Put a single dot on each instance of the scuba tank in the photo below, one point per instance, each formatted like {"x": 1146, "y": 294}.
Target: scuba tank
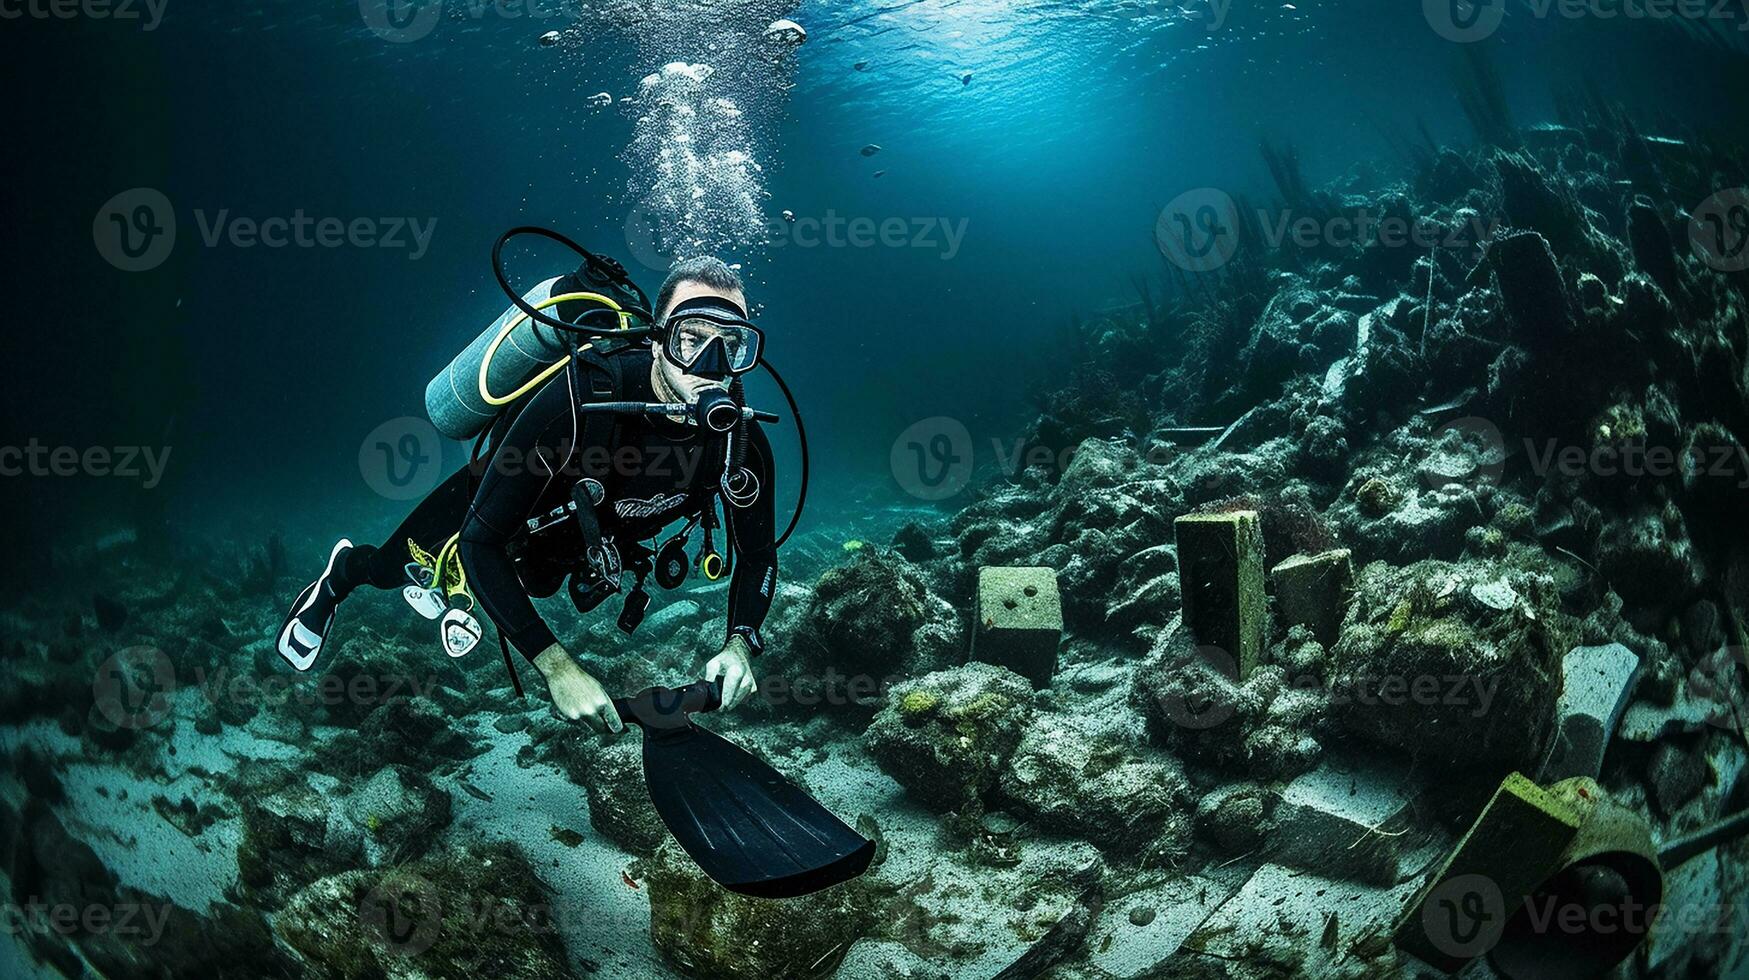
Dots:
{"x": 463, "y": 399}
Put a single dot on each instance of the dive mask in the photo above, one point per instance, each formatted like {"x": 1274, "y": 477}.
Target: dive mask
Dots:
{"x": 708, "y": 337}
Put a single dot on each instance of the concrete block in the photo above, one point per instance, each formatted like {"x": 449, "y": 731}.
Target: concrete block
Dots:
{"x": 1344, "y": 819}
{"x": 1020, "y": 621}
{"x": 1517, "y": 842}
{"x": 1220, "y": 571}
{"x": 1596, "y": 683}
{"x": 1314, "y": 591}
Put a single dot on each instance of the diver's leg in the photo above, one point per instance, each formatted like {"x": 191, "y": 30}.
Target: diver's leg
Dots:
{"x": 434, "y": 521}
{"x": 437, "y": 519}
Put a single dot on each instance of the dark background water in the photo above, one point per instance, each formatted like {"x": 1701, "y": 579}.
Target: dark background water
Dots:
{"x": 264, "y": 369}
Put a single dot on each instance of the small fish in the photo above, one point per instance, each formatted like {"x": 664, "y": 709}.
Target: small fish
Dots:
{"x": 861, "y": 66}
{"x": 880, "y": 173}
{"x": 474, "y": 791}
{"x": 871, "y": 149}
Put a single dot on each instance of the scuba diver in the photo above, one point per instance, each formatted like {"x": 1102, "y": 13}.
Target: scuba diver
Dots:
{"x": 613, "y": 433}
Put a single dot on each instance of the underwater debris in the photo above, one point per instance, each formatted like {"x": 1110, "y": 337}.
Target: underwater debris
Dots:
{"x": 1220, "y": 562}
{"x": 705, "y": 930}
{"x": 947, "y": 736}
{"x": 1488, "y": 677}
{"x": 1081, "y": 784}
{"x": 1019, "y": 622}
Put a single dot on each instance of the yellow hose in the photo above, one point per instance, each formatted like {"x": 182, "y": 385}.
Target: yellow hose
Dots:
{"x": 625, "y": 322}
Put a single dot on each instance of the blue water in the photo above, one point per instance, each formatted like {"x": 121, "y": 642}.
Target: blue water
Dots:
{"x": 264, "y": 368}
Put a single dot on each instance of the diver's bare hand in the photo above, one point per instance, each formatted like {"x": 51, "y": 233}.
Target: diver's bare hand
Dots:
{"x": 576, "y": 694}
{"x": 735, "y": 667}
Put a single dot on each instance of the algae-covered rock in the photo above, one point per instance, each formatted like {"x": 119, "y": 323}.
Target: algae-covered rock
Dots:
{"x": 612, "y": 775}
{"x": 1195, "y": 705}
{"x": 460, "y": 914}
{"x": 413, "y": 731}
{"x": 394, "y": 816}
{"x": 1648, "y": 558}
{"x": 707, "y": 931}
{"x": 1079, "y": 784}
{"x": 1236, "y": 817}
{"x": 1456, "y": 663}
{"x": 876, "y": 618}
{"x": 945, "y": 736}
{"x": 135, "y": 934}
{"x": 285, "y": 841}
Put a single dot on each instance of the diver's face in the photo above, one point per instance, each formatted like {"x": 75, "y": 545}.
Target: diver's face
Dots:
{"x": 688, "y": 386}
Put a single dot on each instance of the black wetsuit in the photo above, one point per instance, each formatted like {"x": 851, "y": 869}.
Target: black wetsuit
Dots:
{"x": 653, "y": 473}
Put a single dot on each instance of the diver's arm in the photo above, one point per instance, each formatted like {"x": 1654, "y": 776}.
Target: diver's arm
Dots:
{"x": 515, "y": 478}
{"x": 522, "y": 467}
{"x": 752, "y": 533}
